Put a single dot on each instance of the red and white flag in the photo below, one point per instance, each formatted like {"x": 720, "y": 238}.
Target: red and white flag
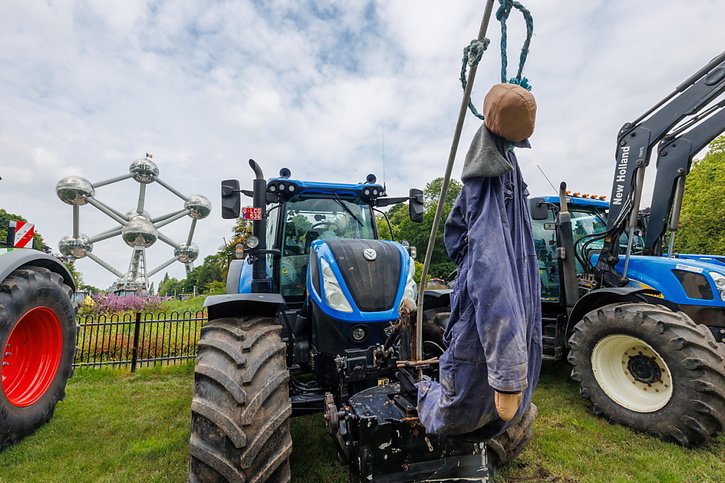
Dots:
{"x": 24, "y": 234}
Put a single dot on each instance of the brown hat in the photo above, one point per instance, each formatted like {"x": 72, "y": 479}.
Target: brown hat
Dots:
{"x": 509, "y": 110}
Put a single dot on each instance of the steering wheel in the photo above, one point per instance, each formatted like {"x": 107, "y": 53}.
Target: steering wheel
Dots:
{"x": 325, "y": 225}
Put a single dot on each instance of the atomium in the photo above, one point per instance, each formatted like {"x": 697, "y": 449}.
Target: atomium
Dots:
{"x": 138, "y": 229}
{"x": 74, "y": 190}
{"x": 187, "y": 253}
{"x": 139, "y": 232}
{"x": 76, "y": 247}
{"x": 144, "y": 170}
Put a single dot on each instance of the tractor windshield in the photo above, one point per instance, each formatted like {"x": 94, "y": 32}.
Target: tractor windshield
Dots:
{"x": 307, "y": 220}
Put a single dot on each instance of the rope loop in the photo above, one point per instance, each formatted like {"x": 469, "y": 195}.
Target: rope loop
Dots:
{"x": 473, "y": 52}
{"x": 502, "y": 15}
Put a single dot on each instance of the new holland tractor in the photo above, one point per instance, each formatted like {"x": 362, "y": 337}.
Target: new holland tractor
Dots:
{"x": 317, "y": 319}
{"x": 643, "y": 326}
{"x": 37, "y": 338}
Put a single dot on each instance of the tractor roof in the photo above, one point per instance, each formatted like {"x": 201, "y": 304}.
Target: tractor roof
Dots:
{"x": 294, "y": 188}
{"x": 578, "y": 201}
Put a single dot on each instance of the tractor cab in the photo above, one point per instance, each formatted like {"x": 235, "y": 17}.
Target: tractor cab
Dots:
{"x": 299, "y": 213}
{"x": 588, "y": 218}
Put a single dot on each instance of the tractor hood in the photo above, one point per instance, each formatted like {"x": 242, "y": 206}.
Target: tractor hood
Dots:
{"x": 360, "y": 280}
{"x": 717, "y": 260}
{"x": 685, "y": 280}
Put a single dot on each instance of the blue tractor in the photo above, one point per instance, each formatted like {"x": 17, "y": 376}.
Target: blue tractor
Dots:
{"x": 643, "y": 326}
{"x": 317, "y": 318}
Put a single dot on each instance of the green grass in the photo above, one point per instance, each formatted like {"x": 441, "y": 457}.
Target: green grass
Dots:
{"x": 117, "y": 426}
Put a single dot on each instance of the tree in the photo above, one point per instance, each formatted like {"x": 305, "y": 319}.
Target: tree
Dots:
{"x": 703, "y": 205}
{"x": 169, "y": 286}
{"x": 418, "y": 234}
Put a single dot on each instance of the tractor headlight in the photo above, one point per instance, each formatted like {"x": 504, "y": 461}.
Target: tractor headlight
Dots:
{"x": 331, "y": 286}
{"x": 719, "y": 280}
{"x": 411, "y": 288}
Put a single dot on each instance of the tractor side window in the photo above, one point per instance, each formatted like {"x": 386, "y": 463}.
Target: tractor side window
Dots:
{"x": 587, "y": 222}
{"x": 544, "y": 232}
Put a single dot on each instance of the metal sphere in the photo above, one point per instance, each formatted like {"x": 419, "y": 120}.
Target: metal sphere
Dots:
{"x": 187, "y": 253}
{"x": 132, "y": 214}
{"x": 199, "y": 206}
{"x": 71, "y": 246}
{"x": 139, "y": 232}
{"x": 144, "y": 170}
{"x": 74, "y": 190}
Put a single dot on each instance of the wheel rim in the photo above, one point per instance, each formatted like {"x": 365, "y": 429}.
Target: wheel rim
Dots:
{"x": 31, "y": 356}
{"x": 632, "y": 373}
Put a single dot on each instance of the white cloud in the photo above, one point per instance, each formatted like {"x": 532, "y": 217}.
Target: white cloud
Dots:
{"x": 87, "y": 87}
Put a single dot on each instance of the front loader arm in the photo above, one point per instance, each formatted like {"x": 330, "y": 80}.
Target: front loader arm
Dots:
{"x": 673, "y": 164}
{"x": 634, "y": 146}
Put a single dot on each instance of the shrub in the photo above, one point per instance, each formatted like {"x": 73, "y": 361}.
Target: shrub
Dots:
{"x": 115, "y": 304}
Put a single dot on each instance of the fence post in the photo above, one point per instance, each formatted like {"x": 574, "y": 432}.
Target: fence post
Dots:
{"x": 134, "y": 350}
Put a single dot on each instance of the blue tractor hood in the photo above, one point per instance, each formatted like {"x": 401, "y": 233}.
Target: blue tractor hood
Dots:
{"x": 684, "y": 280}
{"x": 360, "y": 280}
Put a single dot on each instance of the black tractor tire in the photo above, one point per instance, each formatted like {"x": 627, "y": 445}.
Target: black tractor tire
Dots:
{"x": 240, "y": 411}
{"x": 505, "y": 447}
{"x": 651, "y": 369}
{"x": 38, "y": 342}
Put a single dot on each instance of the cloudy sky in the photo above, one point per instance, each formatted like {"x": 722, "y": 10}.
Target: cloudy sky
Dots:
{"x": 86, "y": 87}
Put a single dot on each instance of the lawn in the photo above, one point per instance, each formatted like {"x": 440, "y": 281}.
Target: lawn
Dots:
{"x": 118, "y": 426}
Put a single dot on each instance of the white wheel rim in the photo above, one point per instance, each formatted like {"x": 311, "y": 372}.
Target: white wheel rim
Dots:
{"x": 632, "y": 373}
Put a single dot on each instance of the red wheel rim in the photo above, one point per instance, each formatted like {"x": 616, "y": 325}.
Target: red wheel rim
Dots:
{"x": 31, "y": 356}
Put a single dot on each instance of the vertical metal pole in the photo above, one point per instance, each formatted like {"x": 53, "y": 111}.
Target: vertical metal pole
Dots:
{"x": 134, "y": 350}
{"x": 76, "y": 222}
{"x": 191, "y": 231}
{"x": 639, "y": 183}
{"x": 675, "y": 215}
{"x": 141, "y": 199}
{"x": 418, "y": 353}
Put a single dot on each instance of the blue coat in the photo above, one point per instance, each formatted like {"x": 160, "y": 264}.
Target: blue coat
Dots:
{"x": 494, "y": 332}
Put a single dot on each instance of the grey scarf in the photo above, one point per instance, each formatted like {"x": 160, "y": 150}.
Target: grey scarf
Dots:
{"x": 484, "y": 158}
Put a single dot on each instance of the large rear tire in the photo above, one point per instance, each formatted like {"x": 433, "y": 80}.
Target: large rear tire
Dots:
{"x": 240, "y": 411}
{"x": 652, "y": 369}
{"x": 38, "y": 340}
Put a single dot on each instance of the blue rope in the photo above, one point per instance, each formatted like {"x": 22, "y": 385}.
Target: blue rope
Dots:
{"x": 502, "y": 14}
{"x": 474, "y": 51}
{"x": 472, "y": 56}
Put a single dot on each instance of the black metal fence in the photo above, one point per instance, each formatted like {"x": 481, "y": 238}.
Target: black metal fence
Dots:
{"x": 137, "y": 340}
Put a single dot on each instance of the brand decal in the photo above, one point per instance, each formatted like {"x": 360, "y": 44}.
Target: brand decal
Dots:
{"x": 370, "y": 254}
{"x": 619, "y": 177}
{"x": 687, "y": 268}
